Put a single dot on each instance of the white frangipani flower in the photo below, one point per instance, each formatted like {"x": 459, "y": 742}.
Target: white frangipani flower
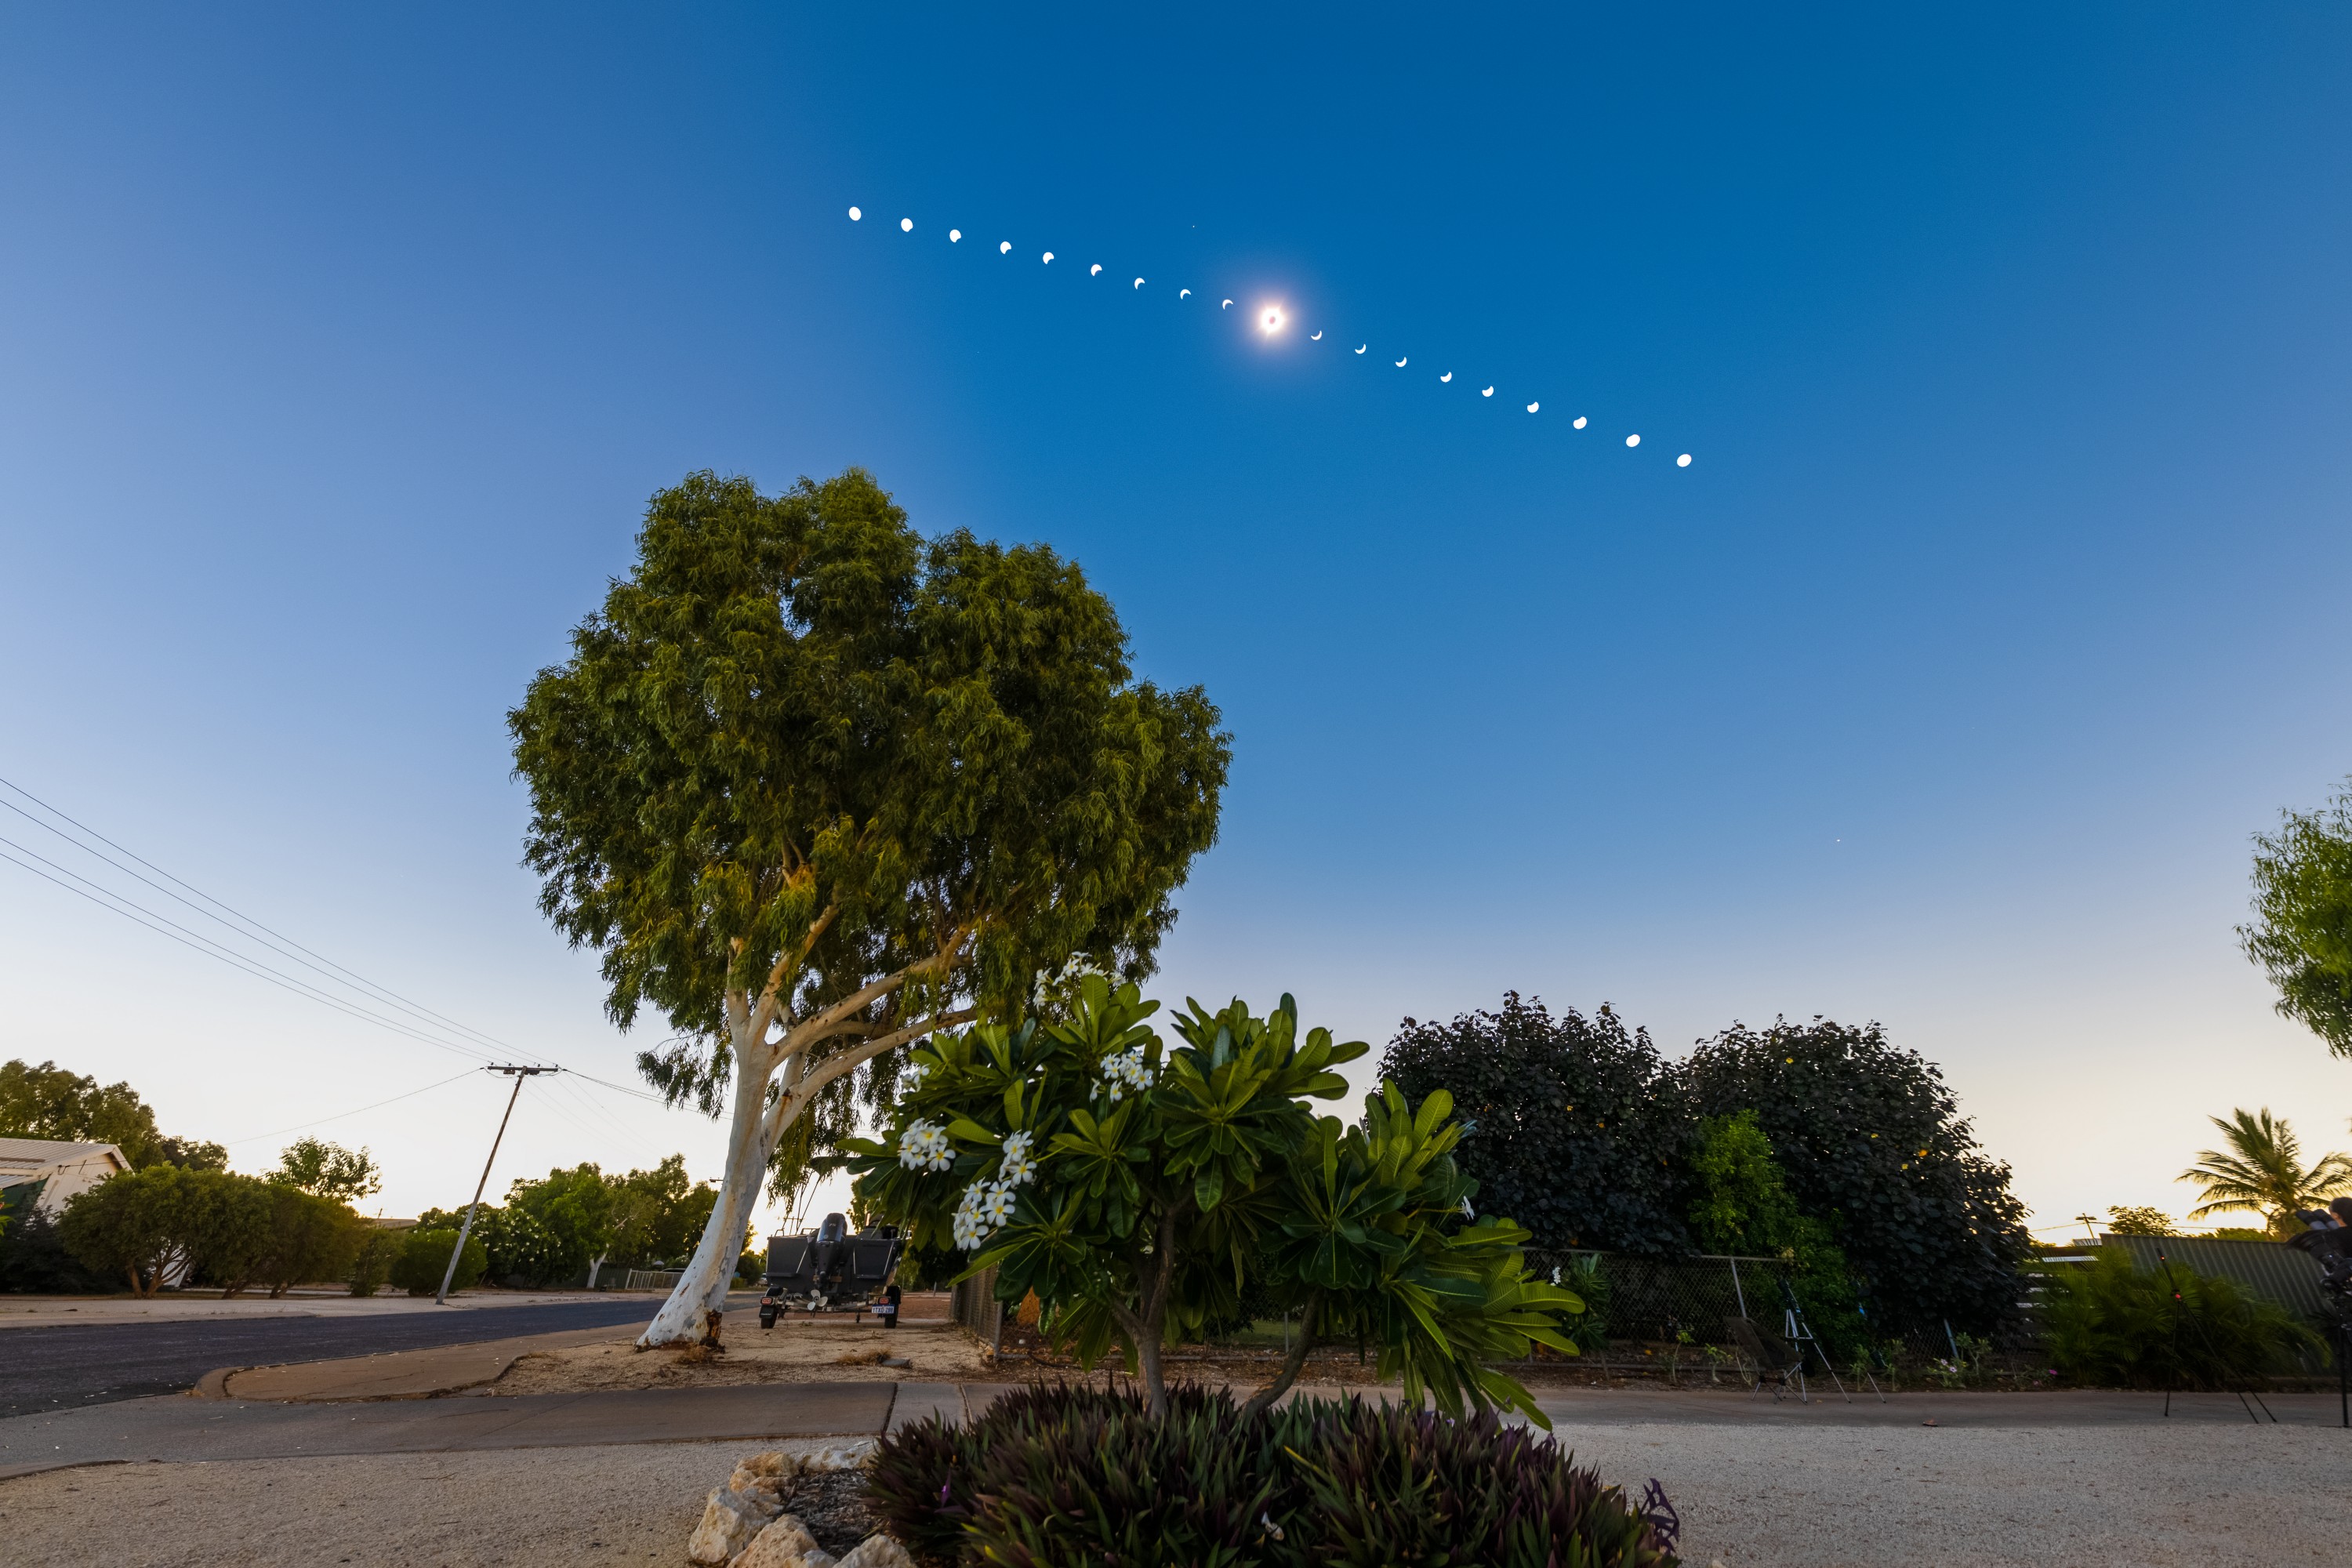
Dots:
{"x": 986, "y": 1205}
{"x": 966, "y": 1224}
{"x": 911, "y": 1075}
{"x": 1018, "y": 1167}
{"x": 924, "y": 1146}
{"x": 1126, "y": 1074}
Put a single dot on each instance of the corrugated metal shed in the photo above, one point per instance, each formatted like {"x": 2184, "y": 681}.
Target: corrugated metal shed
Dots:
{"x": 2269, "y": 1269}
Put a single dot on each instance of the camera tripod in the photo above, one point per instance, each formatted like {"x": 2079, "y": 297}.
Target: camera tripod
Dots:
{"x": 2173, "y": 1372}
{"x": 1801, "y": 1339}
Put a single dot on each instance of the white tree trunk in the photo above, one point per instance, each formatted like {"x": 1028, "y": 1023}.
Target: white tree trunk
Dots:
{"x": 758, "y": 1126}
{"x": 703, "y": 1287}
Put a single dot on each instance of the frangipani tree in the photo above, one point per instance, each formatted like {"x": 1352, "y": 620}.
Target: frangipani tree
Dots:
{"x": 1134, "y": 1187}
{"x": 815, "y": 789}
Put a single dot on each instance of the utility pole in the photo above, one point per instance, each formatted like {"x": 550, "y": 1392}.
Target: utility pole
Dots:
{"x": 518, "y": 1074}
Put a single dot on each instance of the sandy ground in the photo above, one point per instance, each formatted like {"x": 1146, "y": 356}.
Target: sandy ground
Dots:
{"x": 2121, "y": 1495}
{"x": 797, "y": 1350}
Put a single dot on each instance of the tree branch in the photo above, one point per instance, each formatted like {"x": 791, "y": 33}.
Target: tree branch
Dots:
{"x": 832, "y": 1067}
{"x": 817, "y": 1025}
{"x": 791, "y": 959}
{"x": 1291, "y": 1364}
{"x": 805, "y": 1082}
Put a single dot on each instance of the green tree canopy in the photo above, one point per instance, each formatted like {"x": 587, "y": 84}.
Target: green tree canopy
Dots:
{"x": 1870, "y": 1141}
{"x": 2262, "y": 1171}
{"x": 282, "y": 1236}
{"x": 815, "y": 788}
{"x": 156, "y": 1225}
{"x": 2126, "y": 1219}
{"x": 49, "y": 1102}
{"x": 1571, "y": 1125}
{"x": 1742, "y": 1207}
{"x": 2302, "y": 929}
{"x": 329, "y": 1171}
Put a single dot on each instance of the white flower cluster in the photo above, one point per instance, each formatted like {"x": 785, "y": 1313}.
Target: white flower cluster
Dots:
{"x": 1019, "y": 1165}
{"x": 985, "y": 1208}
{"x": 911, "y": 1075}
{"x": 924, "y": 1146}
{"x": 1125, "y": 1075}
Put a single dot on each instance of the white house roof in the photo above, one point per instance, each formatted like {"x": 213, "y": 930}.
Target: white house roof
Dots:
{"x": 28, "y": 1159}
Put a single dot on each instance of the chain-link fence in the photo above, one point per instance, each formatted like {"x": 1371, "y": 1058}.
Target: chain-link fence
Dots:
{"x": 1645, "y": 1312}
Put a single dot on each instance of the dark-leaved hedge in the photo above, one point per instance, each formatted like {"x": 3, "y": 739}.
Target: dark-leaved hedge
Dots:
{"x": 1572, "y": 1128}
{"x": 1871, "y": 1142}
{"x": 1056, "y": 1476}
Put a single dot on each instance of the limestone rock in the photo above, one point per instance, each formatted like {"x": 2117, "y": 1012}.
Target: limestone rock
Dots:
{"x": 729, "y": 1521}
{"x": 784, "y": 1543}
{"x": 855, "y": 1456}
{"x": 767, "y": 1490}
{"x": 877, "y": 1552}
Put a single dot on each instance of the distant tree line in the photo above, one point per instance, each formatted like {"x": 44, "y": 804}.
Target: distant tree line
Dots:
{"x": 180, "y": 1217}
{"x": 579, "y": 1225}
{"x": 1819, "y": 1143}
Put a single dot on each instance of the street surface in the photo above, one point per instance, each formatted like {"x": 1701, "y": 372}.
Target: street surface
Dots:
{"x": 50, "y": 1369}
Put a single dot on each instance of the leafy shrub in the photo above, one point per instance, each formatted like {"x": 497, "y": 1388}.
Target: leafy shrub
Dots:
{"x": 160, "y": 1226}
{"x": 1871, "y": 1142}
{"x": 423, "y": 1254}
{"x": 296, "y": 1237}
{"x": 1584, "y": 1275}
{"x": 371, "y": 1263}
{"x": 1392, "y": 1486}
{"x": 34, "y": 1258}
{"x": 2113, "y": 1325}
{"x": 1052, "y": 1477}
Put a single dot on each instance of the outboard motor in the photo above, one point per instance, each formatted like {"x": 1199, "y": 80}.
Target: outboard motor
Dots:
{"x": 828, "y": 1268}
{"x": 829, "y": 1238}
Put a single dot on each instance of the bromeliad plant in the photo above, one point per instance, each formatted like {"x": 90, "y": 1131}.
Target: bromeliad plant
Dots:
{"x": 1134, "y": 1187}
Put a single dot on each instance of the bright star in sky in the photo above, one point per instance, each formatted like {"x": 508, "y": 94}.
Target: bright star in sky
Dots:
{"x": 1270, "y": 319}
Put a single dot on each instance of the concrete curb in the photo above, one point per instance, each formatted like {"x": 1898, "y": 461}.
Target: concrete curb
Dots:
{"x": 427, "y": 1373}
{"x": 214, "y": 1384}
{"x": 12, "y": 1472}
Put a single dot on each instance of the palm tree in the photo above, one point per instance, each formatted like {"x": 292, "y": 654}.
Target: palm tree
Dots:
{"x": 2263, "y": 1171}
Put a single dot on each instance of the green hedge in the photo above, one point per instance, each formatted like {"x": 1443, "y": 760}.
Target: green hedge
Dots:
{"x": 1057, "y": 1476}
{"x": 2114, "y": 1325}
{"x": 423, "y": 1254}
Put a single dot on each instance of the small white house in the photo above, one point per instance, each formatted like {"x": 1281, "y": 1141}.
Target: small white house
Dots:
{"x": 61, "y": 1169}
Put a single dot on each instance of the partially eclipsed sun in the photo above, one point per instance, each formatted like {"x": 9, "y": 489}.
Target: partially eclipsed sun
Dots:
{"x": 1270, "y": 320}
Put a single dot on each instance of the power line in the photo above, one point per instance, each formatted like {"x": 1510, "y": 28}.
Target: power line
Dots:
{"x": 344, "y": 1115}
{"x": 268, "y": 937}
{"x": 274, "y": 942}
{"x": 210, "y": 949}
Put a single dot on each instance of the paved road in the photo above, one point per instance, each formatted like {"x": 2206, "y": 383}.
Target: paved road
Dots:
{"x": 59, "y": 1369}
{"x": 183, "y": 1430}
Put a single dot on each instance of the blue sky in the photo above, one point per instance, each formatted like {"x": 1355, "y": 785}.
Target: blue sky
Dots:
{"x": 2002, "y": 602}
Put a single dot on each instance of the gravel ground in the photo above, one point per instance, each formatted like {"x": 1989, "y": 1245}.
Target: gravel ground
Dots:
{"x": 2206, "y": 1495}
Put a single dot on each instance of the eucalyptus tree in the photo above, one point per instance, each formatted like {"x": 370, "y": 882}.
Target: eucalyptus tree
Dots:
{"x": 816, "y": 788}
